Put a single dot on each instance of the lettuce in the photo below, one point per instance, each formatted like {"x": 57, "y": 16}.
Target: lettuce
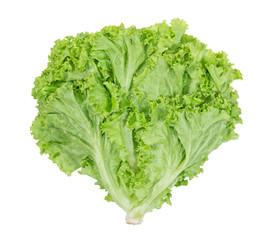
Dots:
{"x": 139, "y": 110}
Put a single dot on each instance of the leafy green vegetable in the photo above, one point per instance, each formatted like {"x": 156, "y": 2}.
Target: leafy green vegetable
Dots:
{"x": 139, "y": 110}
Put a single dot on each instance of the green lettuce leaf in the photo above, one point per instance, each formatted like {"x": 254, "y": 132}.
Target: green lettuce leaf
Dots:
{"x": 139, "y": 110}
{"x": 68, "y": 130}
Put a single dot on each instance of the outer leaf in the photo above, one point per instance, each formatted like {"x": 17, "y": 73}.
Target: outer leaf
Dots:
{"x": 178, "y": 154}
{"x": 69, "y": 133}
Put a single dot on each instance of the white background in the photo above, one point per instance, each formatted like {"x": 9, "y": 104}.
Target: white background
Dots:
{"x": 228, "y": 201}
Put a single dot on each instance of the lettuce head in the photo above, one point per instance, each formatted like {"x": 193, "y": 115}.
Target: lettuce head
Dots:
{"x": 139, "y": 110}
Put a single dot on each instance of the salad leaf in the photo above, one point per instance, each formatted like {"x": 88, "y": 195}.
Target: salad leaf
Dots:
{"x": 139, "y": 110}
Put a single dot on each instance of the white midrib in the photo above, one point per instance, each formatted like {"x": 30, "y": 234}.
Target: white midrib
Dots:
{"x": 118, "y": 196}
{"x": 116, "y": 193}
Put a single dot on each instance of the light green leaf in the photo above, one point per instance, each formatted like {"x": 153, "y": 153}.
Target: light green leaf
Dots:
{"x": 68, "y": 131}
{"x": 125, "y": 52}
{"x": 200, "y": 132}
{"x": 117, "y": 131}
{"x": 160, "y": 79}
